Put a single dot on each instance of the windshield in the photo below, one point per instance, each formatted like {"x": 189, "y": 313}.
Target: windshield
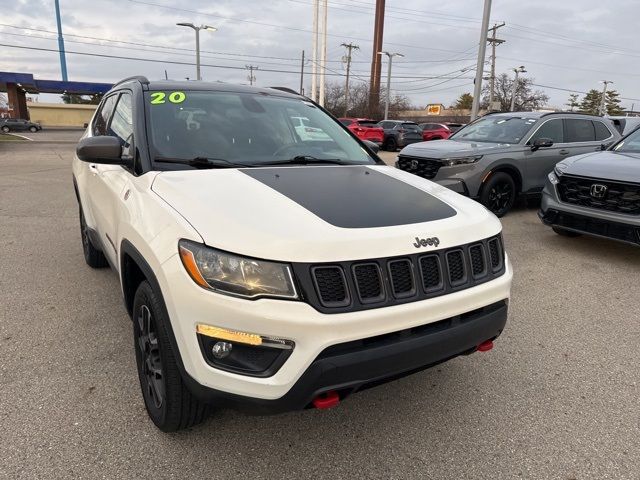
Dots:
{"x": 245, "y": 128}
{"x": 629, "y": 144}
{"x": 496, "y": 130}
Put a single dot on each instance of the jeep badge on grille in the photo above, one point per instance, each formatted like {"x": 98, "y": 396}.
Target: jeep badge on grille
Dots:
{"x": 427, "y": 242}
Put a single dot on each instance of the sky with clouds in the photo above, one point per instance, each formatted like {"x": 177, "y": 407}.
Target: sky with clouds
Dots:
{"x": 568, "y": 44}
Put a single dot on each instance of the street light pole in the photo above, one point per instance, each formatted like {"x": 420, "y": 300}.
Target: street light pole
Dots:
{"x": 520, "y": 69}
{"x": 197, "y": 30}
{"x": 386, "y": 103}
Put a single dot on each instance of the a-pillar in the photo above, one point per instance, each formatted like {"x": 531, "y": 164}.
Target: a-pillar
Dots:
{"x": 17, "y": 101}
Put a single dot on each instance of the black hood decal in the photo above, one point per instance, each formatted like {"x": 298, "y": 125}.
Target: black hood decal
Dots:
{"x": 353, "y": 197}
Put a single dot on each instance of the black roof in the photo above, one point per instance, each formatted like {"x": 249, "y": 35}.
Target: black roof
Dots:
{"x": 206, "y": 86}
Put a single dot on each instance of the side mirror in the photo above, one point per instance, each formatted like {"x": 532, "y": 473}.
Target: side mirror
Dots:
{"x": 104, "y": 149}
{"x": 541, "y": 143}
{"x": 374, "y": 147}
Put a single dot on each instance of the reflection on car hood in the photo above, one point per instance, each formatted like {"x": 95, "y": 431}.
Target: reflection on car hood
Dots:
{"x": 321, "y": 213}
{"x": 444, "y": 148}
{"x": 607, "y": 165}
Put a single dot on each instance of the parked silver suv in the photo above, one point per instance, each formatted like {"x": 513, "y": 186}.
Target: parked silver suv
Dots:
{"x": 502, "y": 155}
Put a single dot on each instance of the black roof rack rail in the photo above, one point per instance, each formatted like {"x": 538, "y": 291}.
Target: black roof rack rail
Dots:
{"x": 568, "y": 112}
{"x": 286, "y": 90}
{"x": 139, "y": 78}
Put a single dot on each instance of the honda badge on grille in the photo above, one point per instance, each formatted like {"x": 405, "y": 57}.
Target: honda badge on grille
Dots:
{"x": 598, "y": 190}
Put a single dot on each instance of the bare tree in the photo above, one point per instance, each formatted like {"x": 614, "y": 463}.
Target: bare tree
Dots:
{"x": 526, "y": 97}
{"x": 359, "y": 101}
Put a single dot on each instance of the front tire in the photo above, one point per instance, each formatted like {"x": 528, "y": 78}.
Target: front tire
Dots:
{"x": 169, "y": 403}
{"x": 392, "y": 145}
{"x": 6, "y": 129}
{"x": 33, "y": 129}
{"x": 94, "y": 257}
{"x": 565, "y": 233}
{"x": 499, "y": 193}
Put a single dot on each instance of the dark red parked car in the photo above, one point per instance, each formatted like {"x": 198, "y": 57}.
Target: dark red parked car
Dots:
{"x": 364, "y": 129}
{"x": 434, "y": 131}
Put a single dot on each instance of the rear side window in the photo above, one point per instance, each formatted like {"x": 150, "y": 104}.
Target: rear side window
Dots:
{"x": 553, "y": 129}
{"x": 346, "y": 123}
{"x": 602, "y": 131}
{"x": 102, "y": 117}
{"x": 578, "y": 130}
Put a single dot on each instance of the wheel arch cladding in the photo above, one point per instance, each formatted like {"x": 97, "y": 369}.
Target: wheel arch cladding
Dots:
{"x": 510, "y": 170}
{"x": 134, "y": 270}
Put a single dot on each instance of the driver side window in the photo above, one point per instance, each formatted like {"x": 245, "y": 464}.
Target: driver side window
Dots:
{"x": 553, "y": 129}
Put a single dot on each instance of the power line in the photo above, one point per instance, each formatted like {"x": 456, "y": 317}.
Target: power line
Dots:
{"x": 137, "y": 49}
{"x": 264, "y": 24}
{"x": 573, "y": 90}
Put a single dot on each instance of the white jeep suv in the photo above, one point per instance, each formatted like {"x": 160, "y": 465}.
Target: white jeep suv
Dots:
{"x": 270, "y": 272}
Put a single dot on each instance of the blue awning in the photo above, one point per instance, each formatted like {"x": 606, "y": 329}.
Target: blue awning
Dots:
{"x": 31, "y": 85}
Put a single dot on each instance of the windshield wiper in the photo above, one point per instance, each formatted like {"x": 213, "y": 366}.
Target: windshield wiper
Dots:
{"x": 202, "y": 162}
{"x": 307, "y": 160}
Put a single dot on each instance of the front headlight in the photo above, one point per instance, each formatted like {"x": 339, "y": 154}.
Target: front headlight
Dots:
{"x": 560, "y": 169}
{"x": 553, "y": 178}
{"x": 235, "y": 275}
{"x": 461, "y": 160}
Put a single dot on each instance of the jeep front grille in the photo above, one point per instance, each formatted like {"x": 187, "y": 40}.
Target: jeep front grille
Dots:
{"x": 617, "y": 197}
{"x": 364, "y": 284}
{"x": 423, "y": 167}
{"x": 331, "y": 285}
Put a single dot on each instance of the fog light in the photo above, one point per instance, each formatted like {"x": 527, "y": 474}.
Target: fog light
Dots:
{"x": 221, "y": 349}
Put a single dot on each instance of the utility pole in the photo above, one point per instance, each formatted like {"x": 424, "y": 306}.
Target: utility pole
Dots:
{"x": 251, "y": 77}
{"x": 314, "y": 52}
{"x": 302, "y": 74}
{"x": 603, "y": 100}
{"x": 517, "y": 70}
{"x": 323, "y": 51}
{"x": 482, "y": 48}
{"x": 388, "y": 99}
{"x": 63, "y": 58}
{"x": 494, "y": 42}
{"x": 376, "y": 61}
{"x": 347, "y": 60}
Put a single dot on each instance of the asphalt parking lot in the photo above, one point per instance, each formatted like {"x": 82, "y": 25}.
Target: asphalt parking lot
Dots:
{"x": 557, "y": 398}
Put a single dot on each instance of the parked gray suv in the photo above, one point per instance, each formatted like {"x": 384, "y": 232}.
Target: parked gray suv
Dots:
{"x": 502, "y": 155}
{"x": 398, "y": 134}
{"x": 596, "y": 193}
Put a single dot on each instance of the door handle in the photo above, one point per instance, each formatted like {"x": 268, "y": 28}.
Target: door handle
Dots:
{"x": 564, "y": 152}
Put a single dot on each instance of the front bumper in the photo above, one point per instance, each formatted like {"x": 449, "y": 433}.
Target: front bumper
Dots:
{"x": 314, "y": 332}
{"x": 349, "y": 367}
{"x": 458, "y": 186}
{"x": 589, "y": 221}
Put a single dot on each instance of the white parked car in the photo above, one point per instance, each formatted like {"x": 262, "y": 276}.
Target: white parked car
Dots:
{"x": 270, "y": 272}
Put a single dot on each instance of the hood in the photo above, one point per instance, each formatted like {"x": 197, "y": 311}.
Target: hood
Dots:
{"x": 445, "y": 148}
{"x": 321, "y": 213}
{"x": 607, "y": 165}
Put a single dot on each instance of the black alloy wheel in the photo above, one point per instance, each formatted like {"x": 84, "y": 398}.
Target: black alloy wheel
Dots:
{"x": 392, "y": 145}
{"x": 499, "y": 193}
{"x": 5, "y": 129}
{"x": 168, "y": 401}
{"x": 150, "y": 361}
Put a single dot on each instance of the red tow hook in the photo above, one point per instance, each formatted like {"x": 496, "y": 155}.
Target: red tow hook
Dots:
{"x": 326, "y": 400}
{"x": 485, "y": 346}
